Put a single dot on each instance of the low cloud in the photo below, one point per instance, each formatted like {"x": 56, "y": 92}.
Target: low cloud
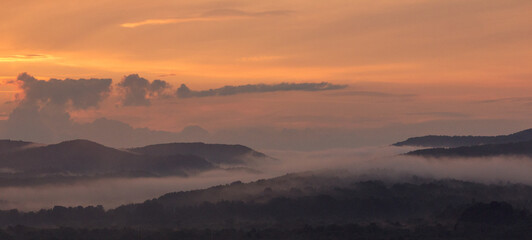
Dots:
{"x": 112, "y": 192}
{"x": 41, "y": 114}
{"x": 185, "y": 92}
{"x": 369, "y": 163}
{"x": 386, "y": 162}
{"x": 79, "y": 93}
{"x": 138, "y": 91}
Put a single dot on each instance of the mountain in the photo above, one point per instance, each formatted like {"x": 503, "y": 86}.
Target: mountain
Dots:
{"x": 487, "y": 150}
{"x": 458, "y": 141}
{"x": 215, "y": 153}
{"x": 86, "y": 158}
{"x": 26, "y": 163}
{"x": 11, "y": 146}
{"x": 293, "y": 201}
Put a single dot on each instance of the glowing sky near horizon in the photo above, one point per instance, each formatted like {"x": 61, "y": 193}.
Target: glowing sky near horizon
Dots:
{"x": 405, "y": 61}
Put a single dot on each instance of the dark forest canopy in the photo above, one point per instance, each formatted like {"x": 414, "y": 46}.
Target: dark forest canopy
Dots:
{"x": 518, "y": 149}
{"x": 294, "y": 200}
{"x": 458, "y": 141}
{"x": 25, "y": 163}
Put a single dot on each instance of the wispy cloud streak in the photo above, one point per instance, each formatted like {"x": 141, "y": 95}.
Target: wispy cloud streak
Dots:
{"x": 168, "y": 21}
{"x": 26, "y": 58}
{"x": 212, "y": 16}
{"x": 185, "y": 92}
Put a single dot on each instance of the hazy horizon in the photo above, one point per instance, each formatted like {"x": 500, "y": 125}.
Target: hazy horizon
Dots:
{"x": 345, "y": 73}
{"x": 281, "y": 119}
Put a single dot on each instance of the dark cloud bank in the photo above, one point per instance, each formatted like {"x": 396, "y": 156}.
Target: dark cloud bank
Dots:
{"x": 80, "y": 93}
{"x": 136, "y": 90}
{"x": 42, "y": 114}
{"x": 185, "y": 92}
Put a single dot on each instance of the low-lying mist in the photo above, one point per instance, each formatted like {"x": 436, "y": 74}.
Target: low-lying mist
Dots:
{"x": 369, "y": 163}
{"x": 388, "y": 162}
{"x": 112, "y": 192}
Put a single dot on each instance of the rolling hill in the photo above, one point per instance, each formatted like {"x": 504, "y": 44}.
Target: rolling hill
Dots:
{"x": 82, "y": 157}
{"x": 28, "y": 163}
{"x": 459, "y": 141}
{"x": 296, "y": 200}
{"x": 487, "y": 150}
{"x": 10, "y": 146}
{"x": 215, "y": 153}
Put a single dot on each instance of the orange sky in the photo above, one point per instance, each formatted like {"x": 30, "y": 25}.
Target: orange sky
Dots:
{"x": 436, "y": 59}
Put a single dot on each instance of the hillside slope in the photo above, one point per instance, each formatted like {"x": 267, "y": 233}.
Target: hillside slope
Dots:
{"x": 215, "y": 153}
{"x": 488, "y": 150}
{"x": 458, "y": 141}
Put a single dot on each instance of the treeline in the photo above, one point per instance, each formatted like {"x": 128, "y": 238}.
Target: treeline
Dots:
{"x": 458, "y": 141}
{"x": 523, "y": 149}
{"x": 518, "y": 229}
{"x": 359, "y": 202}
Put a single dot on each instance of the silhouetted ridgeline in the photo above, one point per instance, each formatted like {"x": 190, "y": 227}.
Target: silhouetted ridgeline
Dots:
{"x": 10, "y": 146}
{"x": 296, "y": 200}
{"x": 215, "y": 153}
{"x": 24, "y": 163}
{"x": 391, "y": 231}
{"x": 458, "y": 141}
{"x": 489, "y": 150}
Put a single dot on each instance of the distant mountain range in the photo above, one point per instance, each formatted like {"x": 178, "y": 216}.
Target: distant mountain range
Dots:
{"x": 459, "y": 141}
{"x": 516, "y": 144}
{"x": 486, "y": 150}
{"x": 27, "y": 163}
{"x": 10, "y": 146}
{"x": 214, "y": 153}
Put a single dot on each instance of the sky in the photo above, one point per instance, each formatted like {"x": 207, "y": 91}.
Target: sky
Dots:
{"x": 270, "y": 74}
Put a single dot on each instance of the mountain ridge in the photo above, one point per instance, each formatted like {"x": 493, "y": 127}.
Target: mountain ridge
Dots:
{"x": 520, "y": 149}
{"x": 218, "y": 154}
{"x": 82, "y": 158}
{"x": 459, "y": 141}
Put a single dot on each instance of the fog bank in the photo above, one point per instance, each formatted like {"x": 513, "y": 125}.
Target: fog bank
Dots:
{"x": 383, "y": 162}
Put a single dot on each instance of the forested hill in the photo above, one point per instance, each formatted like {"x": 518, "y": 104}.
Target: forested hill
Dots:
{"x": 458, "y": 141}
{"x": 523, "y": 149}
{"x": 26, "y": 163}
{"x": 295, "y": 200}
{"x": 215, "y": 153}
